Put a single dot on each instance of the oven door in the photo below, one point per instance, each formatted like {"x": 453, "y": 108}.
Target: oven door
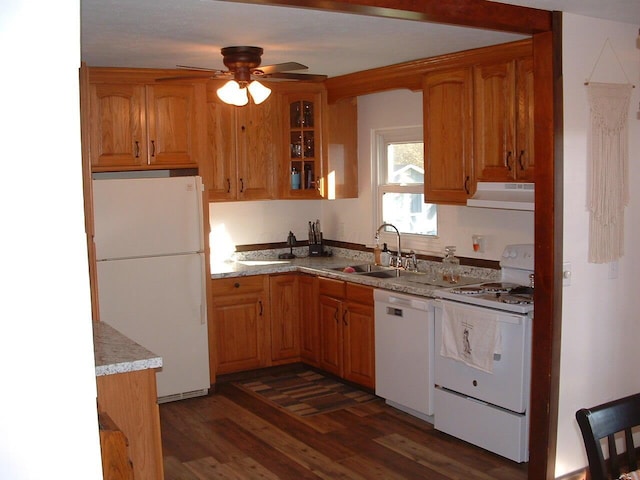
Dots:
{"x": 508, "y": 385}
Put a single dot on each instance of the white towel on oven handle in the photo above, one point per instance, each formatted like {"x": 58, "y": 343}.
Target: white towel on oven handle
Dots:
{"x": 470, "y": 336}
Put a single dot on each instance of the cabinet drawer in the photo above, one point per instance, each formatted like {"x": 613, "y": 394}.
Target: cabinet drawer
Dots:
{"x": 332, "y": 288}
{"x": 238, "y": 285}
{"x": 360, "y": 293}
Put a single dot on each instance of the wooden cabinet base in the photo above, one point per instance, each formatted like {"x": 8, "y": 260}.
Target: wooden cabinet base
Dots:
{"x": 130, "y": 399}
{"x": 116, "y": 464}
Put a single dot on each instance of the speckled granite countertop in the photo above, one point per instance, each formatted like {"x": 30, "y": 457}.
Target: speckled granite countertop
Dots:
{"x": 422, "y": 284}
{"x": 116, "y": 353}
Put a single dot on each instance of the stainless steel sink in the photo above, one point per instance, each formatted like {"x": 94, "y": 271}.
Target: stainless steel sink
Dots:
{"x": 365, "y": 268}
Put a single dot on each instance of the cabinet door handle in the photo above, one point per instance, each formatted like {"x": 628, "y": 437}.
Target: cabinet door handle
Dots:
{"x": 153, "y": 148}
{"x": 241, "y": 185}
{"x": 228, "y": 185}
{"x": 137, "y": 149}
{"x": 520, "y": 159}
{"x": 344, "y": 317}
{"x": 507, "y": 160}
{"x": 261, "y": 309}
{"x": 335, "y": 315}
{"x": 466, "y": 184}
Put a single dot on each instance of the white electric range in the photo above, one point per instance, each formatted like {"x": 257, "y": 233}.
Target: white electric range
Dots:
{"x": 487, "y": 407}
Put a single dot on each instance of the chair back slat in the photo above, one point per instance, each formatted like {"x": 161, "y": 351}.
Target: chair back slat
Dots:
{"x": 631, "y": 450}
{"x": 604, "y": 421}
{"x": 613, "y": 456}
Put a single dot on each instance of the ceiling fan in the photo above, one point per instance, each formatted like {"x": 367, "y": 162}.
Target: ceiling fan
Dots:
{"x": 244, "y": 70}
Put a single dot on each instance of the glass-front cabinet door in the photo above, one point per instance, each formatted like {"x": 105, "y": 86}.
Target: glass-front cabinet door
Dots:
{"x": 303, "y": 166}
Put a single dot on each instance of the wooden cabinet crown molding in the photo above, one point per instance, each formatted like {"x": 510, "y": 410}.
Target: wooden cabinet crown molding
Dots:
{"x": 408, "y": 75}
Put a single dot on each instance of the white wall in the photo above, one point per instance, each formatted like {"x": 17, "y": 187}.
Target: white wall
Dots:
{"x": 601, "y": 323}
{"x": 48, "y": 416}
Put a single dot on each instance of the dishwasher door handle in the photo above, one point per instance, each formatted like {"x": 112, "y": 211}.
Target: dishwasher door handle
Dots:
{"x": 413, "y": 303}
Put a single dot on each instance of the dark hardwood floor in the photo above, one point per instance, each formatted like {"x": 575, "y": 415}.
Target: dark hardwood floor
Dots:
{"x": 231, "y": 434}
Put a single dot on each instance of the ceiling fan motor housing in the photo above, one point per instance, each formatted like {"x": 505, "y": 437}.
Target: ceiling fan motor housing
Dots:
{"x": 242, "y": 61}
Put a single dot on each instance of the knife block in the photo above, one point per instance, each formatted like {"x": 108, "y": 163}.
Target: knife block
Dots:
{"x": 316, "y": 249}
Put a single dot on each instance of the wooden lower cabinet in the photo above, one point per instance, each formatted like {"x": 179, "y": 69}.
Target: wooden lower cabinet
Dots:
{"x": 261, "y": 320}
{"x": 285, "y": 318}
{"x": 130, "y": 400}
{"x": 240, "y": 323}
{"x": 309, "y": 326}
{"x": 346, "y": 318}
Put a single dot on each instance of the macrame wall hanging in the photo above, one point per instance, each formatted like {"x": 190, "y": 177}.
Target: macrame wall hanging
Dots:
{"x": 608, "y": 188}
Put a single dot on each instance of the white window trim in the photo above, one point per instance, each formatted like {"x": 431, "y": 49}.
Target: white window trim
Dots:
{"x": 379, "y": 138}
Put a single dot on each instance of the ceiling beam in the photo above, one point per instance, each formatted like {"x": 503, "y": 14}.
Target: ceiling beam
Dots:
{"x": 469, "y": 13}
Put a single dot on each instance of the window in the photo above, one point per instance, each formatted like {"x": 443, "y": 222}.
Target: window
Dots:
{"x": 400, "y": 189}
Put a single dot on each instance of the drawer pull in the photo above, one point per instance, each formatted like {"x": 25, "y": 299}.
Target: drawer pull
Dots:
{"x": 236, "y": 285}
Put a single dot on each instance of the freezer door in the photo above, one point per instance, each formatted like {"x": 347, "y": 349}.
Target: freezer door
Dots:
{"x": 160, "y": 304}
{"x": 137, "y": 217}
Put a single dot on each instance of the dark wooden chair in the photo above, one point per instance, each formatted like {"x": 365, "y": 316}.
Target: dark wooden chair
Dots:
{"x": 605, "y": 421}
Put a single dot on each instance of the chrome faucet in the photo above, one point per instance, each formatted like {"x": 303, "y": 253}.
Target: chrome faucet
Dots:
{"x": 398, "y": 262}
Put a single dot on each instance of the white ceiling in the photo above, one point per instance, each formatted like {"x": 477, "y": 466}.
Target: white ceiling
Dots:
{"x": 165, "y": 33}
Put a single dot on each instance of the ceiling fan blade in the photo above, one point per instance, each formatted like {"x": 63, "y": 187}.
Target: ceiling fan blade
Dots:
{"x": 203, "y": 69}
{"x": 310, "y": 77}
{"x": 282, "y": 67}
{"x": 203, "y": 76}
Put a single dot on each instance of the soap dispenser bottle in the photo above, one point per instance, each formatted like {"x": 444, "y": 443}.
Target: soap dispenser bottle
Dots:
{"x": 385, "y": 256}
{"x": 451, "y": 263}
{"x": 377, "y": 252}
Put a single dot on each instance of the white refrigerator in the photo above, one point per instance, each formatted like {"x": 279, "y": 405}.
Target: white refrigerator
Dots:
{"x": 149, "y": 243}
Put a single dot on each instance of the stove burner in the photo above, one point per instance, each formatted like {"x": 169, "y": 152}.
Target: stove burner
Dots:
{"x": 498, "y": 287}
{"x": 469, "y": 290}
{"x": 516, "y": 299}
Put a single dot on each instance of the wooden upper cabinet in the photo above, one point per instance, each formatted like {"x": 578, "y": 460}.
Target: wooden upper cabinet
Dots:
{"x": 242, "y": 146}
{"x": 218, "y": 168}
{"x": 257, "y": 129}
{"x": 525, "y": 165}
{"x": 503, "y": 121}
{"x": 172, "y": 125}
{"x": 135, "y": 126}
{"x": 448, "y": 135}
{"x": 117, "y": 125}
{"x": 302, "y": 152}
{"x": 341, "y": 171}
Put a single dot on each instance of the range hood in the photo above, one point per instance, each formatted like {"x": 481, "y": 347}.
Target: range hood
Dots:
{"x": 508, "y": 196}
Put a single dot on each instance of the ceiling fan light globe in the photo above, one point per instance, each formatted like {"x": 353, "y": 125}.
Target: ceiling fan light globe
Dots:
{"x": 258, "y": 92}
{"x": 232, "y": 94}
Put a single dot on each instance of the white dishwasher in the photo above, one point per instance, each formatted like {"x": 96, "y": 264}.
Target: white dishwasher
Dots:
{"x": 404, "y": 338}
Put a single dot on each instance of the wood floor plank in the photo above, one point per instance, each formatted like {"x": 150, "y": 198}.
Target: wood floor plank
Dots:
{"x": 209, "y": 468}
{"x": 444, "y": 464}
{"x": 373, "y": 470}
{"x": 176, "y": 470}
